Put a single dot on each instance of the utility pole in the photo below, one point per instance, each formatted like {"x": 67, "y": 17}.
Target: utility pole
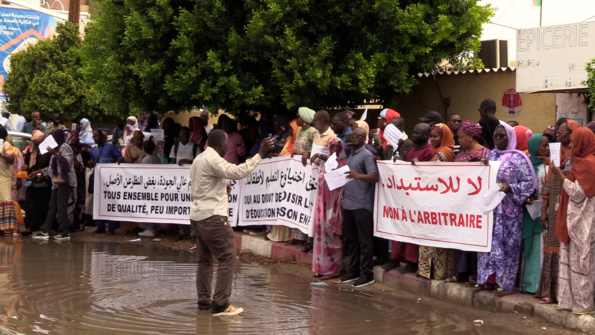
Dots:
{"x": 74, "y": 11}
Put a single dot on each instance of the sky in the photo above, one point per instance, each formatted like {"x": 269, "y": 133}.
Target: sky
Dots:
{"x": 516, "y": 14}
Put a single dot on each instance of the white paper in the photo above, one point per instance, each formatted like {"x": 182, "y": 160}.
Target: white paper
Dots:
{"x": 555, "y": 153}
{"x": 490, "y": 200}
{"x": 337, "y": 178}
{"x": 392, "y": 135}
{"x": 147, "y": 135}
{"x": 534, "y": 209}
{"x": 3, "y": 121}
{"x": 157, "y": 134}
{"x": 365, "y": 115}
{"x": 331, "y": 162}
{"x": 49, "y": 142}
{"x": 73, "y": 127}
{"x": 1, "y": 142}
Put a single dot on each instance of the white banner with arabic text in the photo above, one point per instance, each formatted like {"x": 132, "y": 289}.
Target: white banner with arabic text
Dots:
{"x": 433, "y": 204}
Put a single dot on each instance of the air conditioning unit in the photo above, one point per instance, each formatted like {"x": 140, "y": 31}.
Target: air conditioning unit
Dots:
{"x": 494, "y": 53}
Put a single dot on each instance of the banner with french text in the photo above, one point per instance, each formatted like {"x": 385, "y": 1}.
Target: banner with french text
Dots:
{"x": 280, "y": 191}
{"x": 434, "y": 204}
{"x": 149, "y": 193}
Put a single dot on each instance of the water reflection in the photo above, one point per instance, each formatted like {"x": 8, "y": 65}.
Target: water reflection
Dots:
{"x": 110, "y": 288}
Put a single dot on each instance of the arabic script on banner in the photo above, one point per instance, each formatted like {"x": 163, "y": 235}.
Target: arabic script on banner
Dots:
{"x": 433, "y": 204}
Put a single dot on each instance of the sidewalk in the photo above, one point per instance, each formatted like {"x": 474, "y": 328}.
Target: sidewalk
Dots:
{"x": 454, "y": 293}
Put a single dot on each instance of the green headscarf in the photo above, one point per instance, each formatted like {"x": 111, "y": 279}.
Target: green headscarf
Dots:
{"x": 531, "y": 227}
{"x": 534, "y": 143}
{"x": 306, "y": 114}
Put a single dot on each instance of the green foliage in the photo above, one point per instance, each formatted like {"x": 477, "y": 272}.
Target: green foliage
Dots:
{"x": 271, "y": 55}
{"x": 46, "y": 78}
{"x": 591, "y": 83}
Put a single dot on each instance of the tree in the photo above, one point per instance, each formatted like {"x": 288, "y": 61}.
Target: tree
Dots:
{"x": 591, "y": 84}
{"x": 273, "y": 55}
{"x": 45, "y": 77}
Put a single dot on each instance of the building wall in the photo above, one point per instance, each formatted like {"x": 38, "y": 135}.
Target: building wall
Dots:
{"x": 466, "y": 91}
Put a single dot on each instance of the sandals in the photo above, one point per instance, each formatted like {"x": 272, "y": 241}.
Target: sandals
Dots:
{"x": 546, "y": 301}
{"x": 481, "y": 287}
{"x": 452, "y": 279}
{"x": 500, "y": 292}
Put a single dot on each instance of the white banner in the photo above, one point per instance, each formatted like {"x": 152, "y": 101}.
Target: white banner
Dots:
{"x": 433, "y": 204}
{"x": 148, "y": 193}
{"x": 280, "y": 191}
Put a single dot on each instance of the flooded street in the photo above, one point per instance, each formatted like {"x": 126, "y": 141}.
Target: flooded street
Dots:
{"x": 118, "y": 288}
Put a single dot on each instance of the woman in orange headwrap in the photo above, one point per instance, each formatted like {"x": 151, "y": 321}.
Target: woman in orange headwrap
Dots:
{"x": 577, "y": 251}
{"x": 443, "y": 143}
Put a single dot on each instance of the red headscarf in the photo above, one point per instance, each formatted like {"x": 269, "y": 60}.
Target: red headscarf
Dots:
{"x": 199, "y": 134}
{"x": 583, "y": 161}
{"x": 390, "y": 114}
{"x": 522, "y": 138}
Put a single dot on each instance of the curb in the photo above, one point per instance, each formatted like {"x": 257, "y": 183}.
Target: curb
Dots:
{"x": 453, "y": 293}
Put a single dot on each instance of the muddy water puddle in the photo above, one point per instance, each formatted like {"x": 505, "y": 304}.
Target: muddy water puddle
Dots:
{"x": 112, "y": 288}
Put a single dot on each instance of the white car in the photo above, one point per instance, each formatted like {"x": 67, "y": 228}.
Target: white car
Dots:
{"x": 20, "y": 140}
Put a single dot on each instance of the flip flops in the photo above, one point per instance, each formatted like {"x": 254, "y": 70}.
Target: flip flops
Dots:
{"x": 500, "y": 292}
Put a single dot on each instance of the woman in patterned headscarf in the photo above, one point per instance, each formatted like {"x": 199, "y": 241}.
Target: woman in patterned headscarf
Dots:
{"x": 328, "y": 247}
{"x": 517, "y": 179}
{"x": 8, "y": 221}
{"x": 465, "y": 262}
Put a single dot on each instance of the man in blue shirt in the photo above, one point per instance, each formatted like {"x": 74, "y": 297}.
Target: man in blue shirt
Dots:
{"x": 357, "y": 207}
{"x": 341, "y": 127}
{"x": 103, "y": 153}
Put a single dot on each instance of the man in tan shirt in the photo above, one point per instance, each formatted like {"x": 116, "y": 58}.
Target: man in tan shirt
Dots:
{"x": 208, "y": 215}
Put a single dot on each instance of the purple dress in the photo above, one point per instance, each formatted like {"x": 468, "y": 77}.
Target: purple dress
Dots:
{"x": 503, "y": 260}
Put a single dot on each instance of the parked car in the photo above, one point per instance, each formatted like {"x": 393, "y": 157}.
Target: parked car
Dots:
{"x": 20, "y": 140}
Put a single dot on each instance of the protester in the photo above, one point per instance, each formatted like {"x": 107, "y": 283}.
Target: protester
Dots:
{"x": 208, "y": 216}
{"x": 204, "y": 115}
{"x": 86, "y": 132}
{"x": 280, "y": 133}
{"x": 149, "y": 147}
{"x": 538, "y": 149}
{"x": 5, "y": 119}
{"x": 402, "y": 251}
{"x": 134, "y": 153}
{"x": 81, "y": 153}
{"x": 102, "y": 153}
{"x": 364, "y": 125}
{"x": 340, "y": 125}
{"x": 432, "y": 118}
{"x": 131, "y": 126}
{"x": 438, "y": 263}
{"x": 198, "y": 134}
{"x": 517, "y": 179}
{"x": 357, "y": 209}
{"x": 564, "y": 134}
{"x": 237, "y": 149}
{"x": 35, "y": 124}
{"x": 142, "y": 119}
{"x": 55, "y": 123}
{"x": 454, "y": 123}
{"x": 522, "y": 138}
{"x": 306, "y": 133}
{"x": 170, "y": 133}
{"x": 15, "y": 168}
{"x": 405, "y": 144}
{"x": 118, "y": 136}
{"x": 184, "y": 151}
{"x": 8, "y": 222}
{"x": 327, "y": 260}
{"x": 488, "y": 122}
{"x": 293, "y": 129}
{"x": 465, "y": 262}
{"x": 443, "y": 143}
{"x": 39, "y": 186}
{"x": 152, "y": 122}
{"x": 386, "y": 115}
{"x": 61, "y": 172}
{"x": 577, "y": 257}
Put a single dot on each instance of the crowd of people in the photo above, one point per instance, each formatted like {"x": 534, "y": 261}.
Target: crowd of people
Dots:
{"x": 550, "y": 256}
